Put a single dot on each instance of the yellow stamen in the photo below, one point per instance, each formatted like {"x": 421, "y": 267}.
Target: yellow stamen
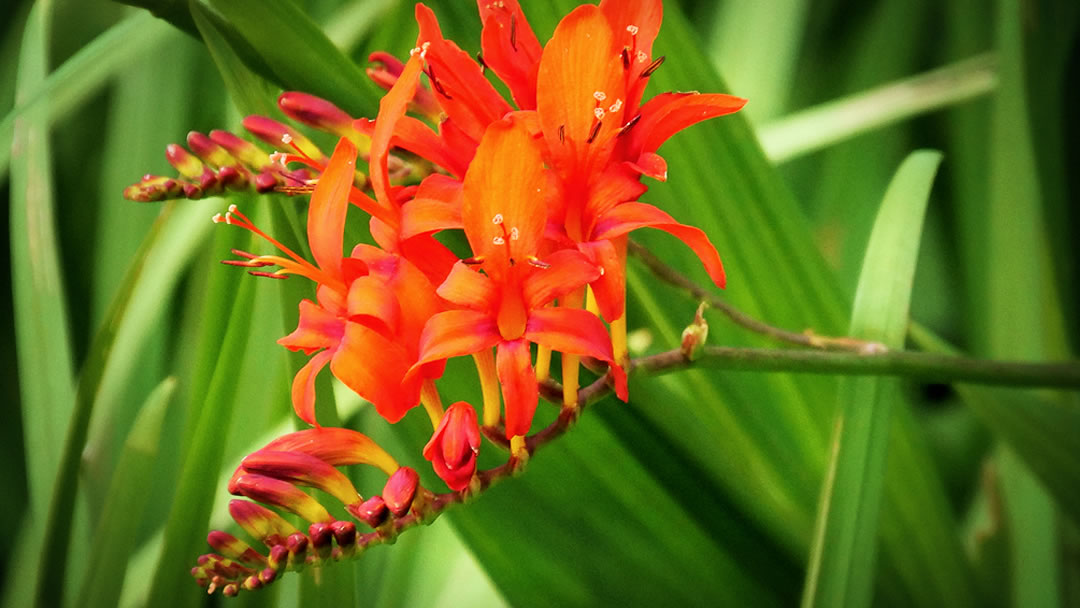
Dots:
{"x": 518, "y": 449}
{"x": 590, "y": 301}
{"x": 618, "y": 340}
{"x": 489, "y": 386}
{"x": 429, "y": 396}
{"x": 543, "y": 363}
{"x": 571, "y": 363}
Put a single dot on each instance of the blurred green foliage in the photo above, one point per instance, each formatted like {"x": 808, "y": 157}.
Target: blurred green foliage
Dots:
{"x": 130, "y": 342}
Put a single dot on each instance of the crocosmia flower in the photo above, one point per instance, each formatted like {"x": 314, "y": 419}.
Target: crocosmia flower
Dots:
{"x": 454, "y": 445}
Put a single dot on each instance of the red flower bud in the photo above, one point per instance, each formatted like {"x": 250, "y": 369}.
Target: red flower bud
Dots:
{"x": 315, "y": 112}
{"x": 400, "y": 490}
{"x": 453, "y": 447}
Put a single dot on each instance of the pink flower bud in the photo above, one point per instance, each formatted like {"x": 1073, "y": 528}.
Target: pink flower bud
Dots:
{"x": 400, "y": 490}
{"x": 315, "y": 112}
{"x": 385, "y": 72}
{"x": 281, "y": 494}
{"x": 453, "y": 447}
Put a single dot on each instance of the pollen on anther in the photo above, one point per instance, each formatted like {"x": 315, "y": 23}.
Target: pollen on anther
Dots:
{"x": 599, "y": 113}
{"x": 600, "y": 95}
{"x": 633, "y": 29}
{"x": 615, "y": 107}
{"x": 233, "y": 208}
{"x": 498, "y": 240}
{"x": 498, "y": 219}
{"x": 217, "y": 218}
{"x": 514, "y": 234}
{"x": 228, "y": 218}
{"x": 286, "y": 138}
{"x": 601, "y": 271}
{"x": 642, "y": 56}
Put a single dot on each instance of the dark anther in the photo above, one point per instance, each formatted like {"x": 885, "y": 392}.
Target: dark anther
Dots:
{"x": 436, "y": 84}
{"x": 472, "y": 261}
{"x": 513, "y": 31}
{"x": 653, "y": 66}
{"x": 595, "y": 131}
{"x": 537, "y": 263}
{"x": 626, "y": 58}
{"x": 562, "y": 133}
{"x": 480, "y": 60}
{"x": 630, "y": 125}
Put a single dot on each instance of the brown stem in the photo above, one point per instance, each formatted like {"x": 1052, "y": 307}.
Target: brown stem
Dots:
{"x": 806, "y": 338}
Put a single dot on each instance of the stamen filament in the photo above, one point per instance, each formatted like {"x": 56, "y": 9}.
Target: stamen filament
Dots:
{"x": 543, "y": 363}
{"x": 429, "y": 396}
{"x": 489, "y": 386}
{"x": 571, "y": 363}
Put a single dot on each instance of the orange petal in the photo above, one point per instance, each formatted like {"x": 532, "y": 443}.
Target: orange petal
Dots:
{"x": 513, "y": 363}
{"x": 581, "y": 84}
{"x": 372, "y": 303}
{"x": 329, "y": 204}
{"x": 511, "y": 49}
{"x": 469, "y": 288}
{"x": 635, "y": 24}
{"x": 455, "y": 333}
{"x": 437, "y": 207}
{"x": 303, "y": 386}
{"x": 575, "y": 332}
{"x": 316, "y": 330}
{"x": 567, "y": 270}
{"x": 505, "y": 189}
{"x": 669, "y": 113}
{"x": 392, "y": 109}
{"x": 374, "y": 367}
{"x": 459, "y": 84}
{"x": 610, "y": 288}
{"x": 631, "y": 216}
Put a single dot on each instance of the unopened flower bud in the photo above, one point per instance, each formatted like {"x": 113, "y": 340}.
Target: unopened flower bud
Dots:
{"x": 283, "y": 137}
{"x": 385, "y": 71}
{"x": 246, "y": 152}
{"x": 209, "y": 151}
{"x": 695, "y": 334}
{"x": 400, "y": 490}
{"x": 282, "y": 494}
{"x": 316, "y": 112}
{"x": 372, "y": 511}
{"x": 453, "y": 447}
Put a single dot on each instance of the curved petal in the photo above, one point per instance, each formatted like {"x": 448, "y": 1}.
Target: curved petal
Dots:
{"x": 329, "y": 204}
{"x": 455, "y": 333}
{"x": 459, "y": 83}
{"x": 416, "y": 137}
{"x": 520, "y": 391}
{"x": 631, "y": 216}
{"x": 567, "y": 270}
{"x": 372, "y": 303}
{"x": 619, "y": 183}
{"x": 303, "y": 386}
{"x": 505, "y": 189}
{"x": 427, "y": 216}
{"x": 610, "y": 288}
{"x": 651, "y": 165}
{"x": 669, "y": 113}
{"x": 469, "y": 288}
{"x": 374, "y": 367}
{"x": 580, "y": 85}
{"x": 511, "y": 49}
{"x": 392, "y": 109}
{"x": 335, "y": 446}
{"x": 575, "y": 332}
{"x": 316, "y": 330}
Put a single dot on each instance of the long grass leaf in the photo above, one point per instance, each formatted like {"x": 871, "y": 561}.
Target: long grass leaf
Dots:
{"x": 114, "y": 537}
{"x": 843, "y": 556}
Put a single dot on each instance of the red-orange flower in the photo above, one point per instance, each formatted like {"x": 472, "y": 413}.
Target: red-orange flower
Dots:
{"x": 504, "y": 213}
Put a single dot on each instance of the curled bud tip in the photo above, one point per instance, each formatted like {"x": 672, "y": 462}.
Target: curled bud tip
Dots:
{"x": 184, "y": 162}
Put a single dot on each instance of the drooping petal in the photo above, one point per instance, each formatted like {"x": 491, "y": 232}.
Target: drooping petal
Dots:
{"x": 505, "y": 189}
{"x": 468, "y": 288}
{"x": 567, "y": 271}
{"x": 580, "y": 85}
{"x": 374, "y": 367}
{"x": 316, "y": 330}
{"x": 459, "y": 84}
{"x": 574, "y": 331}
{"x": 329, "y": 204}
{"x": 631, "y": 216}
{"x": 455, "y": 333}
{"x": 609, "y": 288}
{"x": 336, "y": 446}
{"x": 416, "y": 137}
{"x": 520, "y": 391}
{"x": 618, "y": 184}
{"x": 511, "y": 49}
{"x": 669, "y": 113}
{"x": 303, "y": 386}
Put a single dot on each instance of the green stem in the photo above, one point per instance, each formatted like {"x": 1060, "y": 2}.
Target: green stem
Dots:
{"x": 915, "y": 365}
